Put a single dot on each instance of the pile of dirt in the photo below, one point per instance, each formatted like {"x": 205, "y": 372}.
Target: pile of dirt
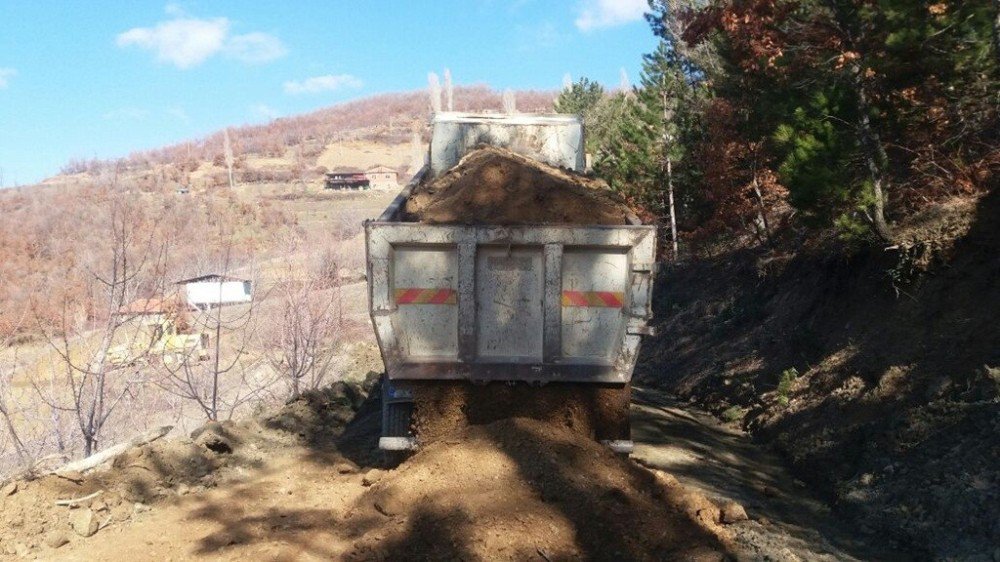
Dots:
{"x": 214, "y": 455}
{"x": 521, "y": 489}
{"x": 319, "y": 416}
{"x": 135, "y": 480}
{"x": 496, "y": 186}
{"x": 445, "y": 408}
{"x": 874, "y": 372}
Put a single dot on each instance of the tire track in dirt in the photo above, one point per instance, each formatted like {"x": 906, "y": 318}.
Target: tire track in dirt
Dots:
{"x": 786, "y": 521}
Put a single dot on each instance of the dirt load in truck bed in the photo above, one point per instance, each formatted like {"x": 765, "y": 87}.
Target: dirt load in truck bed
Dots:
{"x": 496, "y": 186}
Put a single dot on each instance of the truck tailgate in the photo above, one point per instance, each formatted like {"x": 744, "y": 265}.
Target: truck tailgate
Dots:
{"x": 530, "y": 303}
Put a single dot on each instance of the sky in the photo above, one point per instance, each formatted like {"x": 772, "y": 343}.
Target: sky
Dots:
{"x": 103, "y": 78}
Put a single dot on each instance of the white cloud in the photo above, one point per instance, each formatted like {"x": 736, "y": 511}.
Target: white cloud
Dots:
{"x": 255, "y": 48}
{"x": 5, "y": 75}
{"x": 182, "y": 42}
{"x": 126, "y": 114}
{"x": 318, "y": 84}
{"x": 186, "y": 41}
{"x": 596, "y": 14}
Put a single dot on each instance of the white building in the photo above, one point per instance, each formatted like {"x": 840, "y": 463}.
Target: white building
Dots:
{"x": 210, "y": 291}
{"x": 382, "y": 177}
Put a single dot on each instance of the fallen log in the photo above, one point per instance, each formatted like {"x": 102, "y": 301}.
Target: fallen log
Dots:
{"x": 111, "y": 453}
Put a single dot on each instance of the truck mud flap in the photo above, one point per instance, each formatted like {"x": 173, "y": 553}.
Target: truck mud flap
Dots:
{"x": 397, "y": 443}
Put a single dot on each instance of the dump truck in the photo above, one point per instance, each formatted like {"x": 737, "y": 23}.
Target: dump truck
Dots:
{"x": 526, "y": 305}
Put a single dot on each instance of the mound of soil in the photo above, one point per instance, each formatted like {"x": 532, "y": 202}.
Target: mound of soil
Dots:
{"x": 445, "y": 408}
{"x": 213, "y": 456}
{"x": 496, "y": 186}
{"x": 522, "y": 489}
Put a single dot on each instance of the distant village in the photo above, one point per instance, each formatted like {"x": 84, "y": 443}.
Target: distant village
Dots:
{"x": 347, "y": 178}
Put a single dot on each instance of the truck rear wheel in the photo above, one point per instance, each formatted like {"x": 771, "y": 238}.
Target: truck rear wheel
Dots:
{"x": 396, "y": 419}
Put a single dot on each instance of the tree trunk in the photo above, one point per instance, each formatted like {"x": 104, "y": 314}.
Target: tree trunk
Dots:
{"x": 875, "y": 159}
{"x": 214, "y": 414}
{"x": 19, "y": 448}
{"x": 996, "y": 29}
{"x": 90, "y": 461}
{"x": 670, "y": 198}
{"x": 761, "y": 210}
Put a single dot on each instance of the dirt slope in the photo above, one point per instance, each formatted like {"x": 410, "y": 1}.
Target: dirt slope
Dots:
{"x": 873, "y": 372}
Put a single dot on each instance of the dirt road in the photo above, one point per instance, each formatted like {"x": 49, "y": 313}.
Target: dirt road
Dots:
{"x": 786, "y": 521}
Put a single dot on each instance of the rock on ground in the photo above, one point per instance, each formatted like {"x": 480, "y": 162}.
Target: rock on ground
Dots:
{"x": 84, "y": 522}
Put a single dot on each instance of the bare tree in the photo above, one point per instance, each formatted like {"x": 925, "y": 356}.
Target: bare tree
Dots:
{"x": 8, "y": 408}
{"x": 304, "y": 328}
{"x": 668, "y": 145}
{"x": 220, "y": 376}
{"x": 100, "y": 351}
{"x": 228, "y": 150}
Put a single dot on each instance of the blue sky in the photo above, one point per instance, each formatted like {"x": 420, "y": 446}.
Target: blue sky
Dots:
{"x": 83, "y": 79}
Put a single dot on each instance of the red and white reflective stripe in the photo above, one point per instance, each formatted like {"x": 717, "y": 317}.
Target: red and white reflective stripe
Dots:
{"x": 416, "y": 295}
{"x": 594, "y": 299}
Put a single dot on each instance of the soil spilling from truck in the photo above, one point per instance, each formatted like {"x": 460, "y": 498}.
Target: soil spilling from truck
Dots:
{"x": 445, "y": 408}
{"x": 496, "y": 186}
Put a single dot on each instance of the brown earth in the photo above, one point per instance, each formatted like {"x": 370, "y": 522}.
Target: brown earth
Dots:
{"x": 521, "y": 489}
{"x": 297, "y": 484}
{"x": 496, "y": 186}
{"x": 444, "y": 408}
{"x": 874, "y": 372}
{"x": 215, "y": 455}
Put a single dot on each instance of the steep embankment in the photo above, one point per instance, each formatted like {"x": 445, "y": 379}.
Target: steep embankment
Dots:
{"x": 874, "y": 372}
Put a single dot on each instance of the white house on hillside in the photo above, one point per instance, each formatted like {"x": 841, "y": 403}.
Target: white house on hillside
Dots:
{"x": 382, "y": 177}
{"x": 210, "y": 291}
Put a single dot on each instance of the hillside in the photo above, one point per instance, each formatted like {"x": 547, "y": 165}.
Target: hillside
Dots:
{"x": 278, "y": 172}
{"x": 388, "y": 129}
{"x": 874, "y": 372}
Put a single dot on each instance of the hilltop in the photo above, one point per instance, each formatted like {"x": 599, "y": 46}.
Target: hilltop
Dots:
{"x": 387, "y": 129}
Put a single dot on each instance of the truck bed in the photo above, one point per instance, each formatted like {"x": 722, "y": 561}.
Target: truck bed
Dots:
{"x": 535, "y": 303}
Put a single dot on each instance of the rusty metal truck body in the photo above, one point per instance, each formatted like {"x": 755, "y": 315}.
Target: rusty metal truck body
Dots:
{"x": 485, "y": 303}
